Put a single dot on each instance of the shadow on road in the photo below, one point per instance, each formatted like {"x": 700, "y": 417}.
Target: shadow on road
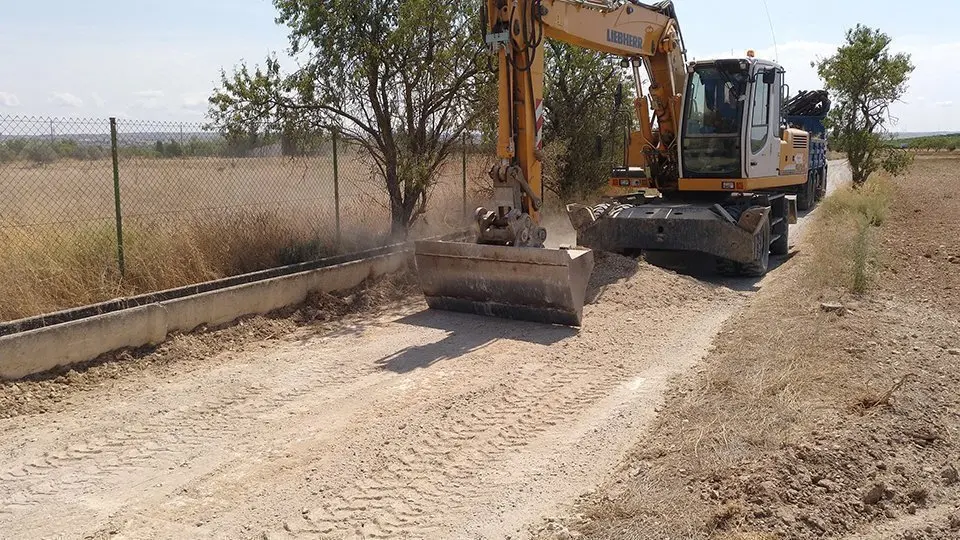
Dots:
{"x": 465, "y": 334}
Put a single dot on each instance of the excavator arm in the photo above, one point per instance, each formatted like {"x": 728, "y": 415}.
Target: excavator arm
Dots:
{"x": 643, "y": 35}
{"x": 508, "y": 272}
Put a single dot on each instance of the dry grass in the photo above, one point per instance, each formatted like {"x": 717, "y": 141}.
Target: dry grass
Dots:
{"x": 847, "y": 234}
{"x": 187, "y": 221}
{"x": 64, "y": 269}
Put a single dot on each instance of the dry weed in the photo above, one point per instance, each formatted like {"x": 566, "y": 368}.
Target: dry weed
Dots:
{"x": 63, "y": 270}
{"x": 171, "y": 239}
{"x": 873, "y": 399}
{"x": 846, "y": 255}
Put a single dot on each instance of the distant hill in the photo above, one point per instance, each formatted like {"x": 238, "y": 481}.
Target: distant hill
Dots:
{"x": 123, "y": 138}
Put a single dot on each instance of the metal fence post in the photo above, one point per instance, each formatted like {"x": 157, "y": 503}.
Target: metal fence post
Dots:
{"x": 464, "y": 175}
{"x": 336, "y": 185}
{"x": 116, "y": 193}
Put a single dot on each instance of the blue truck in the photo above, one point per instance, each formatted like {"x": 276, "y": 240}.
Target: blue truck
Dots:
{"x": 807, "y": 110}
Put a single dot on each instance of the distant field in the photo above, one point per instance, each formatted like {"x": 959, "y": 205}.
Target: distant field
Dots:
{"x": 946, "y": 142}
{"x": 188, "y": 220}
{"x": 174, "y": 190}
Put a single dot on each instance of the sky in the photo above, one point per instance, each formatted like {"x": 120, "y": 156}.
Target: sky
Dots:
{"x": 160, "y": 60}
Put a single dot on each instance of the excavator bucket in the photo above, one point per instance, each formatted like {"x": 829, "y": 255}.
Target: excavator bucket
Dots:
{"x": 531, "y": 284}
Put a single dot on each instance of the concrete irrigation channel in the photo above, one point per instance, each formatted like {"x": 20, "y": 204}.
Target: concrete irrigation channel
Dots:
{"x": 395, "y": 423}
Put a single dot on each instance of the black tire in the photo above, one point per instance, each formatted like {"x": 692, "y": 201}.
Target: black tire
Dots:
{"x": 807, "y": 197}
{"x": 756, "y": 268}
{"x": 759, "y": 267}
{"x": 728, "y": 268}
{"x": 781, "y": 246}
{"x": 822, "y": 184}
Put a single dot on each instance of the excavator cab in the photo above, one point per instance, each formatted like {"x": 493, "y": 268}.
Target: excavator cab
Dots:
{"x": 731, "y": 120}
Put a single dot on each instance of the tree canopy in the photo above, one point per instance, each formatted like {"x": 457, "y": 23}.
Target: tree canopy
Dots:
{"x": 584, "y": 132}
{"x": 399, "y": 78}
{"x": 865, "y": 79}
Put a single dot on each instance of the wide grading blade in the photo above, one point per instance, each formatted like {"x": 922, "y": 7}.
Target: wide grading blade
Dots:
{"x": 532, "y": 284}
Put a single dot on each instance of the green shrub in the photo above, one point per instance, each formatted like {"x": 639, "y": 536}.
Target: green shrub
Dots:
{"x": 40, "y": 153}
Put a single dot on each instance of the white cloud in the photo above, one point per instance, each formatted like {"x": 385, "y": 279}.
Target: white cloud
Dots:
{"x": 149, "y": 99}
{"x": 194, "y": 102}
{"x": 97, "y": 100}
{"x": 9, "y": 100}
{"x": 944, "y": 104}
{"x": 66, "y": 99}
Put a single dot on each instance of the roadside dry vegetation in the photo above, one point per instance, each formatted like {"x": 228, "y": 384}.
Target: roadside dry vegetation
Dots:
{"x": 846, "y": 236}
{"x": 828, "y": 408}
{"x": 187, "y": 221}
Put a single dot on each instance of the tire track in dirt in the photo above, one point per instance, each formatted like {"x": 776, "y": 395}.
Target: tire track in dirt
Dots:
{"x": 439, "y": 471}
{"x": 444, "y": 470}
{"x": 111, "y": 454}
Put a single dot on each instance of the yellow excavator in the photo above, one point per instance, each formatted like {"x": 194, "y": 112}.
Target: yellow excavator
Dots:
{"x": 706, "y": 171}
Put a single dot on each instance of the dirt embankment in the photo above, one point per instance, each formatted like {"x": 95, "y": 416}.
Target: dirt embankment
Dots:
{"x": 820, "y": 414}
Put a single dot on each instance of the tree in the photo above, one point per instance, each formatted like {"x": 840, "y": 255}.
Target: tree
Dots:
{"x": 65, "y": 148}
{"x": 40, "y": 153}
{"x": 583, "y": 133}
{"x": 172, "y": 149}
{"x": 396, "y": 77}
{"x": 297, "y": 139}
{"x": 865, "y": 79}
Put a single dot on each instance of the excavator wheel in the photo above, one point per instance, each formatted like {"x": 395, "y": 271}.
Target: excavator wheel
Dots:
{"x": 822, "y": 184}
{"x": 756, "y": 268}
{"x": 759, "y": 267}
{"x": 781, "y": 246}
{"x": 807, "y": 198}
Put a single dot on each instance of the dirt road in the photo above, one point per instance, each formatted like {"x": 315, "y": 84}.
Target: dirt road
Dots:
{"x": 406, "y": 424}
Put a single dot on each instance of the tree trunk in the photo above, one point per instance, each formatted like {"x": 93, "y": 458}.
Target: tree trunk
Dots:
{"x": 398, "y": 225}
{"x": 398, "y": 222}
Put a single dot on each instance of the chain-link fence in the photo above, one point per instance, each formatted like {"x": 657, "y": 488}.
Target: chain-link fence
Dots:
{"x": 93, "y": 209}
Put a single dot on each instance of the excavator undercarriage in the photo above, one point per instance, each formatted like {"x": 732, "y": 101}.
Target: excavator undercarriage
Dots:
{"x": 739, "y": 231}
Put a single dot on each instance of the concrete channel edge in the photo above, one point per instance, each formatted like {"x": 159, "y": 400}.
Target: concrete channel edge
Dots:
{"x": 43, "y": 349}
